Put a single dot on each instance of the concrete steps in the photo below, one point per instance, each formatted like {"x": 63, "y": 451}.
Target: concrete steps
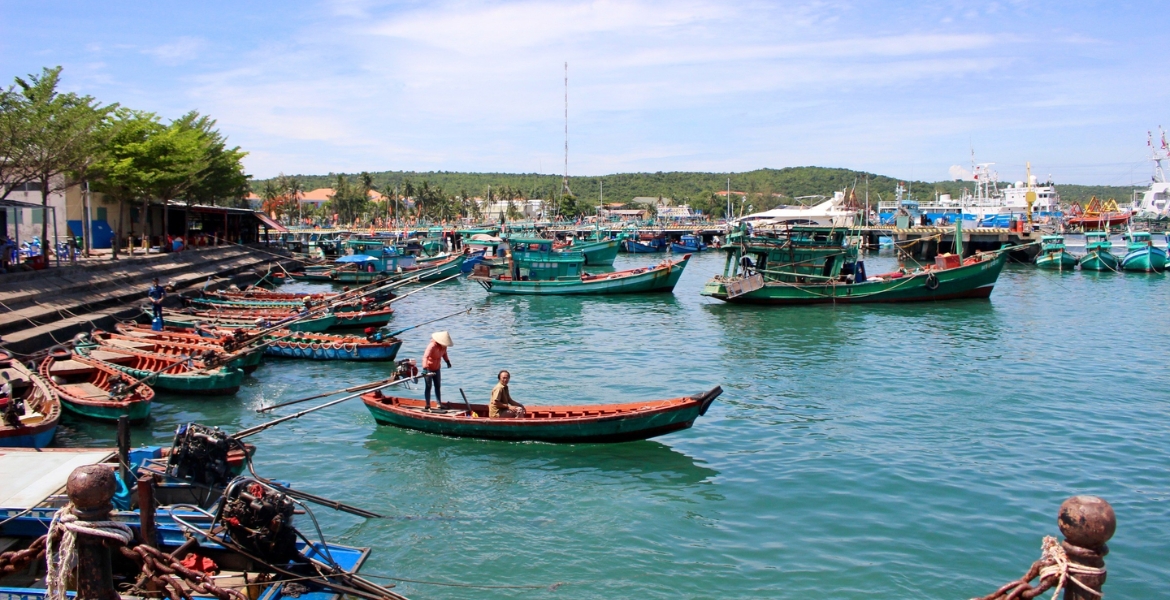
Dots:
{"x": 40, "y": 309}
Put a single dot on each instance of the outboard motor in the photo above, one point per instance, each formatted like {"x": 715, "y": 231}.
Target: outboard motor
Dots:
{"x": 200, "y": 453}
{"x": 258, "y": 517}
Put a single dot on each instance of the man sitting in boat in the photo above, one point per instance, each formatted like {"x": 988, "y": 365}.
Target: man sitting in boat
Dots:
{"x": 502, "y": 404}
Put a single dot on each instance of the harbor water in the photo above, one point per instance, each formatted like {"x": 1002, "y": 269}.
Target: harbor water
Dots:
{"x": 864, "y": 451}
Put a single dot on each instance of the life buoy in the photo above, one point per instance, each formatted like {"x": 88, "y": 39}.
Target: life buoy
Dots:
{"x": 931, "y": 281}
{"x": 59, "y": 353}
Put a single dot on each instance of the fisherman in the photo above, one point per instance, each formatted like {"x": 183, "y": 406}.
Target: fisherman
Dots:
{"x": 436, "y": 351}
{"x": 502, "y": 406}
{"x": 157, "y": 294}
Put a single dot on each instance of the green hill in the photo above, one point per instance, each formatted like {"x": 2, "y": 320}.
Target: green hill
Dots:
{"x": 766, "y": 188}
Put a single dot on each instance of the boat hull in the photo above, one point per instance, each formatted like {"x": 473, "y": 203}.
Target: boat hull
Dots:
{"x": 137, "y": 406}
{"x": 636, "y": 247}
{"x": 356, "y": 352}
{"x": 684, "y": 249}
{"x": 969, "y": 281}
{"x": 1099, "y": 260}
{"x": 374, "y": 318}
{"x": 601, "y": 253}
{"x": 220, "y": 382}
{"x": 661, "y": 278}
{"x": 29, "y": 437}
{"x": 316, "y": 325}
{"x": 1057, "y": 261}
{"x": 563, "y": 424}
{"x": 1147, "y": 260}
{"x": 39, "y": 399}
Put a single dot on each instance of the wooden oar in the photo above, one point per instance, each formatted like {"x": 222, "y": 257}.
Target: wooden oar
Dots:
{"x": 469, "y": 411}
{"x": 454, "y": 314}
{"x": 355, "y": 388}
{"x": 258, "y": 428}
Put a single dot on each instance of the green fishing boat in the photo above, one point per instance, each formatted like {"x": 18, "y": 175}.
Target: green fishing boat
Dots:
{"x": 310, "y": 325}
{"x": 1142, "y": 256}
{"x": 93, "y": 389}
{"x": 531, "y": 267}
{"x": 598, "y": 253}
{"x": 1098, "y": 255}
{"x": 442, "y": 269}
{"x": 159, "y": 342}
{"x": 1053, "y": 254}
{"x": 169, "y": 373}
{"x": 819, "y": 265}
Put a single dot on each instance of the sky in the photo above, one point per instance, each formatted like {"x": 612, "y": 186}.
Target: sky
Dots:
{"x": 905, "y": 89}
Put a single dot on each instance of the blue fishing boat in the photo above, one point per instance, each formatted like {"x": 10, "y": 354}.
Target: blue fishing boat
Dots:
{"x": 1143, "y": 255}
{"x": 644, "y": 246}
{"x": 315, "y": 346}
{"x": 687, "y": 244}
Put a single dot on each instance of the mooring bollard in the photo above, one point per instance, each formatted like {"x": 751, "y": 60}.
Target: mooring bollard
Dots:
{"x": 146, "y": 526}
{"x": 90, "y": 489}
{"x": 1087, "y": 522}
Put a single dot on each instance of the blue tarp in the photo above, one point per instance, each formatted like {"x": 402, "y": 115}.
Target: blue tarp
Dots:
{"x": 355, "y": 258}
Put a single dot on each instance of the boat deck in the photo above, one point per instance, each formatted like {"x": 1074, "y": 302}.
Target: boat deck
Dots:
{"x": 31, "y": 476}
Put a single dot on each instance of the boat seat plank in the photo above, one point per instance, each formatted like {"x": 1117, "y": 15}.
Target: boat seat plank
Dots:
{"x": 85, "y": 391}
{"x": 69, "y": 367}
{"x": 112, "y": 357}
{"x": 17, "y": 378}
{"x": 131, "y": 344}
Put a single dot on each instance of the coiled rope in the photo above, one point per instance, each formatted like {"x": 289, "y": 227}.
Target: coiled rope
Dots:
{"x": 61, "y": 550}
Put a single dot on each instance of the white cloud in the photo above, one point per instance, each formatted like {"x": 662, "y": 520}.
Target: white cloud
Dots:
{"x": 181, "y": 50}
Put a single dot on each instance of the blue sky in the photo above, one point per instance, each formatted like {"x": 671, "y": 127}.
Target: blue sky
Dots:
{"x": 904, "y": 89}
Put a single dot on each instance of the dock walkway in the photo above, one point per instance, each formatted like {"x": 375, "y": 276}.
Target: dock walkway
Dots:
{"x": 42, "y": 308}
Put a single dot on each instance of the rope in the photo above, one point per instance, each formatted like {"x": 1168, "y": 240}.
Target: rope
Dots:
{"x": 1054, "y": 570}
{"x": 61, "y": 553}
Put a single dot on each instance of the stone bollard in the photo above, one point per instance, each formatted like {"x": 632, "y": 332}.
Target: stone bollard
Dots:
{"x": 1087, "y": 522}
{"x": 90, "y": 489}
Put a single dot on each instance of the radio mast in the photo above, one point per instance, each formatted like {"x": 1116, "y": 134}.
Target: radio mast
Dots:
{"x": 565, "y": 182}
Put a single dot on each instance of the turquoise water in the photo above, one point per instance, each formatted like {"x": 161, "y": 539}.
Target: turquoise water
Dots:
{"x": 857, "y": 451}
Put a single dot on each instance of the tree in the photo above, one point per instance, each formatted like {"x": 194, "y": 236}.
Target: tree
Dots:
{"x": 62, "y": 133}
{"x": 349, "y": 201}
{"x": 222, "y": 177}
{"x": 122, "y": 174}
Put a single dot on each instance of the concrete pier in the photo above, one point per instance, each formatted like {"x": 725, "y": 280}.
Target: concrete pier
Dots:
{"x": 924, "y": 243}
{"x": 42, "y": 308}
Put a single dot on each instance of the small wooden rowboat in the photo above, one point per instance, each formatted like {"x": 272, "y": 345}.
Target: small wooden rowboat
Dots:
{"x": 558, "y": 424}
{"x": 84, "y": 387}
{"x": 173, "y": 373}
{"x": 314, "y": 324}
{"x": 248, "y": 362}
{"x": 35, "y": 426}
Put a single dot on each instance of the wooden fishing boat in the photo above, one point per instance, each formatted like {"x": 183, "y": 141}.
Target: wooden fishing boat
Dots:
{"x": 160, "y": 344}
{"x": 818, "y": 265}
{"x": 1142, "y": 255}
{"x": 558, "y": 424}
{"x": 1098, "y": 255}
{"x": 688, "y": 243}
{"x": 638, "y": 246}
{"x": 365, "y": 318}
{"x": 1053, "y": 254}
{"x": 441, "y": 269}
{"x": 319, "y": 346}
{"x": 258, "y": 294}
{"x": 565, "y": 277}
{"x": 1097, "y": 215}
{"x": 173, "y": 374}
{"x": 314, "y": 324}
{"x": 35, "y": 424}
{"x": 93, "y": 389}
{"x": 597, "y": 253}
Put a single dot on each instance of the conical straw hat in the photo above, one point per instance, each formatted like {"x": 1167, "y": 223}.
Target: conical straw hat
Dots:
{"x": 443, "y": 338}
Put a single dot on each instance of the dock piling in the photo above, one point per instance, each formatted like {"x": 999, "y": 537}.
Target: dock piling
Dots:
{"x": 1087, "y": 522}
{"x": 90, "y": 489}
{"x": 146, "y": 511}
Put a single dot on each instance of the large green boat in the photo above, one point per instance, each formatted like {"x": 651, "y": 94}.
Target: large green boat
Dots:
{"x": 1098, "y": 255}
{"x": 1053, "y": 254}
{"x": 531, "y": 267}
{"x": 819, "y": 265}
{"x": 597, "y": 253}
{"x": 1143, "y": 255}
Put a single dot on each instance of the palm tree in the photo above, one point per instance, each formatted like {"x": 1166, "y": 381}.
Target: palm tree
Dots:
{"x": 295, "y": 187}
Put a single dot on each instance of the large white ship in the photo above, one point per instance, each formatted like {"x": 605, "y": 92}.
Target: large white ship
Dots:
{"x": 987, "y": 205}
{"x": 834, "y": 212}
{"x": 1154, "y": 202}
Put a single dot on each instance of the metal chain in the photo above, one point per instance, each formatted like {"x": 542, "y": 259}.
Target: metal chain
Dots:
{"x": 160, "y": 571}
{"x": 15, "y": 560}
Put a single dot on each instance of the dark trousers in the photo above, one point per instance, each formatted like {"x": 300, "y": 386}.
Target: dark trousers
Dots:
{"x": 157, "y": 308}
{"x": 433, "y": 380}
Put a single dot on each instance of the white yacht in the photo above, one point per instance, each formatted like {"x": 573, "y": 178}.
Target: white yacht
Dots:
{"x": 834, "y": 212}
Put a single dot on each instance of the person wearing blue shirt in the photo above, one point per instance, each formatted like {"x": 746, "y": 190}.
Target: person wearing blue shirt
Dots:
{"x": 156, "y": 293}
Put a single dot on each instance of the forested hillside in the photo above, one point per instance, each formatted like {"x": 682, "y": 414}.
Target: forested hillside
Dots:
{"x": 765, "y": 188}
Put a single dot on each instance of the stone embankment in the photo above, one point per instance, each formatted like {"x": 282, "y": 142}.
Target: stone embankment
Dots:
{"x": 42, "y": 308}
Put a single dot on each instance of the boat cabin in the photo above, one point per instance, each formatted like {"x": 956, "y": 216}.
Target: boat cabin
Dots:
{"x": 1138, "y": 239}
{"x": 1096, "y": 240}
{"x": 802, "y": 254}
{"x": 1052, "y": 242}
{"x": 534, "y": 259}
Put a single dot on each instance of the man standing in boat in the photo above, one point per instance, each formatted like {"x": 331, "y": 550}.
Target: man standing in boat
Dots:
{"x": 436, "y": 351}
{"x": 157, "y": 294}
{"x": 502, "y": 405}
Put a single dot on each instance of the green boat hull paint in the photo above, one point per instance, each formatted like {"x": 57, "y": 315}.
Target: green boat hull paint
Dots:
{"x": 371, "y": 320}
{"x": 971, "y": 281}
{"x": 1146, "y": 260}
{"x": 137, "y": 411}
{"x": 1100, "y": 260}
{"x": 220, "y": 382}
{"x": 1057, "y": 261}
{"x": 453, "y": 267}
{"x": 316, "y": 325}
{"x": 601, "y": 253}
{"x": 616, "y": 429}
{"x": 651, "y": 281}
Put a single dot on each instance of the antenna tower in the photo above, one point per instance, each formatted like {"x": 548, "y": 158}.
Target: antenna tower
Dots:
{"x": 565, "y": 182}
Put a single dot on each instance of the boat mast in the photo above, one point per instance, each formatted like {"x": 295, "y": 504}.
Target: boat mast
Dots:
{"x": 565, "y": 182}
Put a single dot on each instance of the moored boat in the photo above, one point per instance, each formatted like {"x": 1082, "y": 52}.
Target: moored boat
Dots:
{"x": 315, "y": 324}
{"x": 317, "y": 346}
{"x": 168, "y": 344}
{"x": 91, "y": 388}
{"x": 818, "y": 265}
{"x": 170, "y": 373}
{"x": 1142, "y": 255}
{"x": 688, "y": 243}
{"x": 1098, "y": 255}
{"x": 566, "y": 277}
{"x": 597, "y": 253}
{"x": 1053, "y": 254}
{"x": 558, "y": 424}
{"x": 29, "y": 416}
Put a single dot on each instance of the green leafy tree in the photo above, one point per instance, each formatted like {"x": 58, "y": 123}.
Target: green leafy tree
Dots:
{"x": 123, "y": 173}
